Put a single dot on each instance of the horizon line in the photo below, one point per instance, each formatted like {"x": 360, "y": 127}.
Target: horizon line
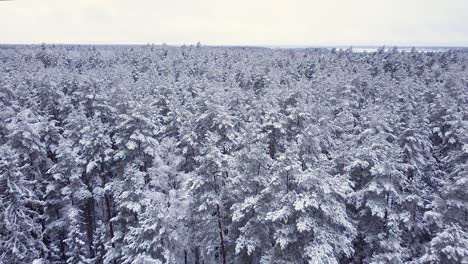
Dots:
{"x": 245, "y": 45}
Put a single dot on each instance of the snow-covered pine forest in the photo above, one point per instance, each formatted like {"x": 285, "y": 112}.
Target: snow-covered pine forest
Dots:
{"x": 193, "y": 154}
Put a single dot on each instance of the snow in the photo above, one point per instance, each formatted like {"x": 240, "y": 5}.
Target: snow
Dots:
{"x": 161, "y": 154}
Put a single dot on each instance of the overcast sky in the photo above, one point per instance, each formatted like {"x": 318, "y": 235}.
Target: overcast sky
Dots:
{"x": 236, "y": 22}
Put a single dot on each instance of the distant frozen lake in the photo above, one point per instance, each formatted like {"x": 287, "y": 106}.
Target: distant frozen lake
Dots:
{"x": 370, "y": 48}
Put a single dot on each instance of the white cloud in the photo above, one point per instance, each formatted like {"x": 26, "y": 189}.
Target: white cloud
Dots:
{"x": 249, "y": 22}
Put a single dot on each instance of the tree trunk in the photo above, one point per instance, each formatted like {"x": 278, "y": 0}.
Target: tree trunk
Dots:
{"x": 89, "y": 216}
{"x": 62, "y": 248}
{"x": 109, "y": 217}
{"x": 273, "y": 144}
{"x": 221, "y": 236}
{"x": 197, "y": 255}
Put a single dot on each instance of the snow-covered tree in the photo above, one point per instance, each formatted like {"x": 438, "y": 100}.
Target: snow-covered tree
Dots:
{"x": 23, "y": 165}
{"x": 203, "y": 154}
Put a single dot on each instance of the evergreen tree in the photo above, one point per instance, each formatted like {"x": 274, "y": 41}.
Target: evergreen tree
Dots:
{"x": 23, "y": 164}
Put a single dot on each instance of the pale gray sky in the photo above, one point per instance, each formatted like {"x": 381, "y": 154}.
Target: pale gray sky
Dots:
{"x": 236, "y": 22}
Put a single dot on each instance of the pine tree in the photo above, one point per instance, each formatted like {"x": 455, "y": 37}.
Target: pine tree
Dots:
{"x": 23, "y": 165}
{"x": 378, "y": 178}
{"x": 448, "y": 210}
{"x": 75, "y": 241}
{"x": 136, "y": 143}
{"x": 161, "y": 234}
{"x": 100, "y": 242}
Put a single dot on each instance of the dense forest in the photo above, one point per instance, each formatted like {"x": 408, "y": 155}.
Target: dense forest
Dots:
{"x": 194, "y": 154}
